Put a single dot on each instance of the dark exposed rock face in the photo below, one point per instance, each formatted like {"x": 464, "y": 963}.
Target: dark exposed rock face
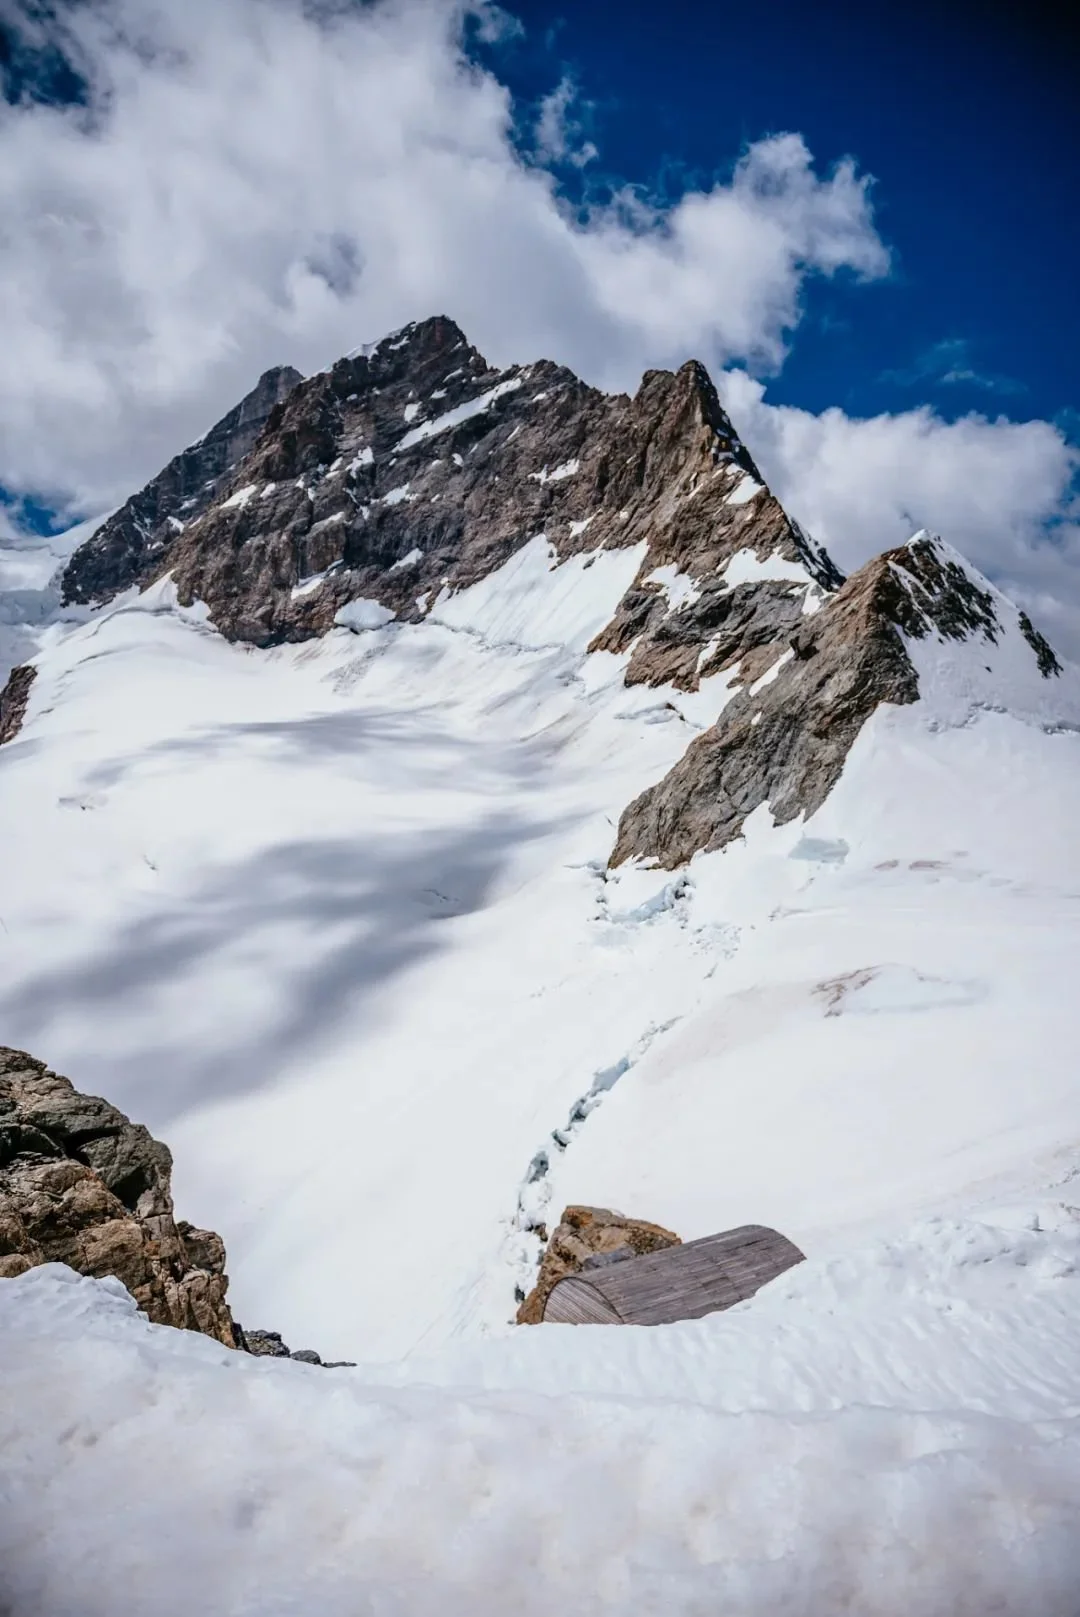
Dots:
{"x": 263, "y": 1344}
{"x": 128, "y": 548}
{"x": 13, "y": 699}
{"x": 413, "y": 467}
{"x": 81, "y": 1185}
{"x": 749, "y": 624}
{"x": 584, "y": 1238}
{"x": 1044, "y": 651}
{"x": 786, "y": 744}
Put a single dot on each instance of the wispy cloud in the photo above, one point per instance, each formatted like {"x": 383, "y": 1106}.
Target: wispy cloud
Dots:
{"x": 560, "y": 128}
{"x": 949, "y": 364}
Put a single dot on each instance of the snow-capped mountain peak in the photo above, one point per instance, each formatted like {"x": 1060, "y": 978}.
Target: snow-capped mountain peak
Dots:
{"x": 387, "y": 488}
{"x": 543, "y": 720}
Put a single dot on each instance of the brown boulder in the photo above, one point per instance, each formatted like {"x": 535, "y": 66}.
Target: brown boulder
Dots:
{"x": 82, "y": 1185}
{"x": 585, "y": 1238}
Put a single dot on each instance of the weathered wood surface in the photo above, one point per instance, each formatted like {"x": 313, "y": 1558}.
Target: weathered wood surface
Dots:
{"x": 683, "y": 1282}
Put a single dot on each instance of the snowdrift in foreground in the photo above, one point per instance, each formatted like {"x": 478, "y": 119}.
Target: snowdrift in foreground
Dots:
{"x": 895, "y": 1432}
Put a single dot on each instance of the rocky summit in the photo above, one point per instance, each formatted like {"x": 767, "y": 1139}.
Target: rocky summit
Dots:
{"x": 411, "y": 469}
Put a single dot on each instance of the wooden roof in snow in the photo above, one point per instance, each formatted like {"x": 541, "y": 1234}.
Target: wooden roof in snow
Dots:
{"x": 681, "y": 1282}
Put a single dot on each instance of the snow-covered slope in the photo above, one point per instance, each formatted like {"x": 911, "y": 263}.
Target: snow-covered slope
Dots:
{"x": 30, "y": 571}
{"x": 336, "y": 921}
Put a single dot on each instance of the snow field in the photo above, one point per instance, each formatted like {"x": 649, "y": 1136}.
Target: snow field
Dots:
{"x": 335, "y": 920}
{"x": 316, "y": 933}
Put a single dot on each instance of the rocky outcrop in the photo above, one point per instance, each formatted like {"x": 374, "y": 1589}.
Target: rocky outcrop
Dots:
{"x": 128, "y": 549}
{"x": 13, "y": 699}
{"x": 748, "y": 624}
{"x": 269, "y": 1345}
{"x": 784, "y": 744}
{"x": 81, "y": 1185}
{"x": 784, "y": 740}
{"x": 1044, "y": 651}
{"x": 585, "y": 1238}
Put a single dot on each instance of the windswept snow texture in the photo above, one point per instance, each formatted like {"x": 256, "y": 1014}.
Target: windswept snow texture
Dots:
{"x": 897, "y": 1431}
{"x": 460, "y": 413}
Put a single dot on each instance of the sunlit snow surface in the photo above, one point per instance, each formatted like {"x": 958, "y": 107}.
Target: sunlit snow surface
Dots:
{"x": 334, "y": 920}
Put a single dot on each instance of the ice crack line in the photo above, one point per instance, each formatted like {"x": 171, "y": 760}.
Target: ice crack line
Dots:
{"x": 529, "y": 1225}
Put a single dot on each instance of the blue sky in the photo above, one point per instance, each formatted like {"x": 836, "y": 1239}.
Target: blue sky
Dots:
{"x": 885, "y": 296}
{"x": 967, "y": 116}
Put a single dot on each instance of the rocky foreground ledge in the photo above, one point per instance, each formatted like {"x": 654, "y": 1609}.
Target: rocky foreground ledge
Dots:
{"x": 81, "y": 1184}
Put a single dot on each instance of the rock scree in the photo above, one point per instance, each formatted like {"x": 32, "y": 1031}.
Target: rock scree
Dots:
{"x": 269, "y": 1345}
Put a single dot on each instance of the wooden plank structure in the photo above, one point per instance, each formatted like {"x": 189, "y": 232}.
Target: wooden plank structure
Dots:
{"x": 681, "y": 1282}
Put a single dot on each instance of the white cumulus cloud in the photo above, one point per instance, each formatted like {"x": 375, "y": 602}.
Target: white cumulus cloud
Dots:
{"x": 255, "y": 183}
{"x": 999, "y": 490}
